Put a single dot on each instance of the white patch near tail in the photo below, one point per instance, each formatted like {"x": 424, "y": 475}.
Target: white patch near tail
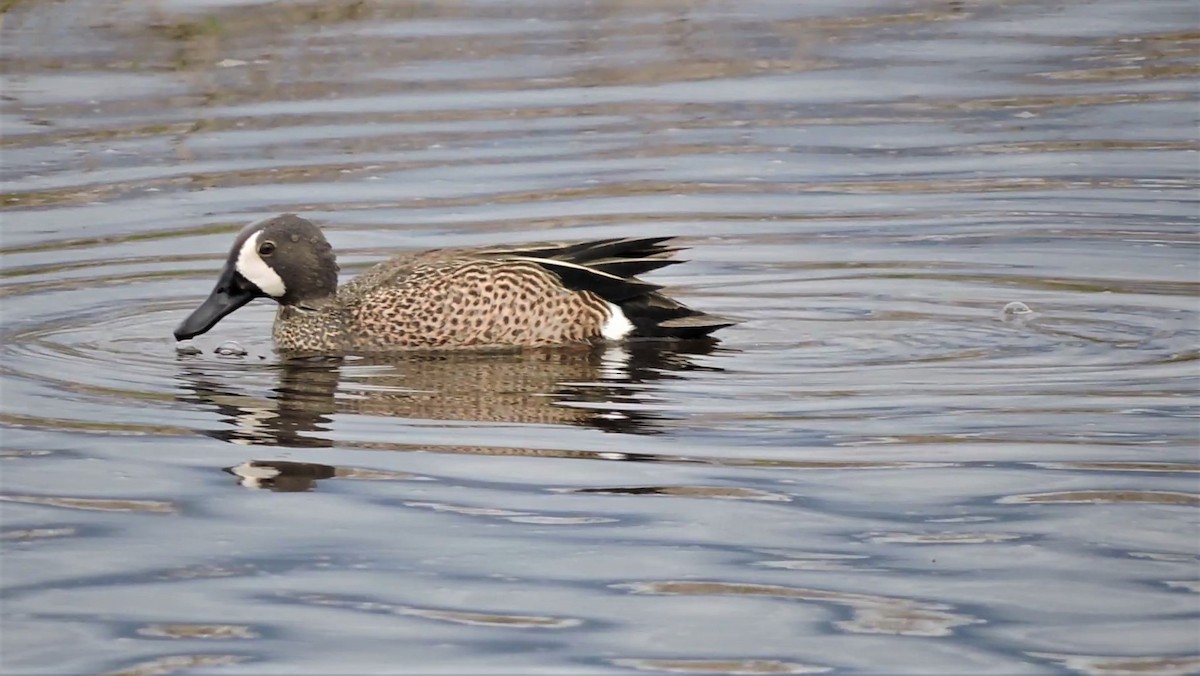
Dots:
{"x": 255, "y": 269}
{"x": 254, "y": 476}
{"x": 617, "y": 326}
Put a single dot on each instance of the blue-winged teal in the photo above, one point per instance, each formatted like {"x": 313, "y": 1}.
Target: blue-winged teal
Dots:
{"x": 522, "y": 296}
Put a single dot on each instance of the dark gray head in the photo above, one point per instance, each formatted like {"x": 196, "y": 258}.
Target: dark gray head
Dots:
{"x": 285, "y": 258}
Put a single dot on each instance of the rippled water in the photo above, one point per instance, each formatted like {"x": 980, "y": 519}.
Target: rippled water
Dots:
{"x": 879, "y": 470}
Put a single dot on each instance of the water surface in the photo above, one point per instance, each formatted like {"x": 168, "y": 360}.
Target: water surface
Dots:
{"x": 879, "y": 471}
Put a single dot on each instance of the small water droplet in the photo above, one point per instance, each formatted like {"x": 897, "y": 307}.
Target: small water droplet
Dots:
{"x": 230, "y": 349}
{"x": 1016, "y": 311}
{"x": 187, "y": 350}
{"x": 1017, "y": 308}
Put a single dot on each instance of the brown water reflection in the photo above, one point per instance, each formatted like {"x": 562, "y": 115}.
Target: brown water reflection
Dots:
{"x": 471, "y": 618}
{"x": 731, "y": 666}
{"x": 94, "y": 504}
{"x": 872, "y": 614}
{"x": 174, "y": 664}
{"x": 218, "y": 632}
{"x": 1106, "y": 665}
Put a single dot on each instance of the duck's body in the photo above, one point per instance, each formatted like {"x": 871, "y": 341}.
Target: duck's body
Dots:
{"x": 531, "y": 296}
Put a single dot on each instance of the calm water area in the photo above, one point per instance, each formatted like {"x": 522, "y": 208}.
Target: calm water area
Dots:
{"x": 880, "y": 470}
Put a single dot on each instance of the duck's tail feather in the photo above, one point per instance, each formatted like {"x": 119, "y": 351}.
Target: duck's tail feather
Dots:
{"x": 654, "y": 315}
{"x": 609, "y": 269}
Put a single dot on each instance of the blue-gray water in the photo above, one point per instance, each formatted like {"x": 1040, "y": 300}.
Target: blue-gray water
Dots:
{"x": 879, "y": 471}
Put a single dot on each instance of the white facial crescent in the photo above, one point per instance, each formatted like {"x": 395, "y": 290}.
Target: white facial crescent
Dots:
{"x": 254, "y": 268}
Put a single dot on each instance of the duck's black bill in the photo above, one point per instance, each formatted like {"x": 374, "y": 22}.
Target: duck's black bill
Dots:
{"x": 232, "y": 292}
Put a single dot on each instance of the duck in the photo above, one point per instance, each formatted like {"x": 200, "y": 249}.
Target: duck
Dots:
{"x": 528, "y": 296}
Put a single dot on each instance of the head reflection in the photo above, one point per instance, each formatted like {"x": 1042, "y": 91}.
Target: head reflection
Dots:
{"x": 281, "y": 476}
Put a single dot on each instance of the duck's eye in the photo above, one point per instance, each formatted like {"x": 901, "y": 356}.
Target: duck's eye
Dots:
{"x": 266, "y": 248}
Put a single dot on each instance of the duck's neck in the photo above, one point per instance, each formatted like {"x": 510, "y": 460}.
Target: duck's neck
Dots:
{"x": 316, "y": 325}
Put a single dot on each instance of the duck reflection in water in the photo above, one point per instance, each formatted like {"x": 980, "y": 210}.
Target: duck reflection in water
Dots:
{"x": 603, "y": 387}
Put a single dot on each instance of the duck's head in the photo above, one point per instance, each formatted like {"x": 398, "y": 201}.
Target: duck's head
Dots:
{"x": 285, "y": 258}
